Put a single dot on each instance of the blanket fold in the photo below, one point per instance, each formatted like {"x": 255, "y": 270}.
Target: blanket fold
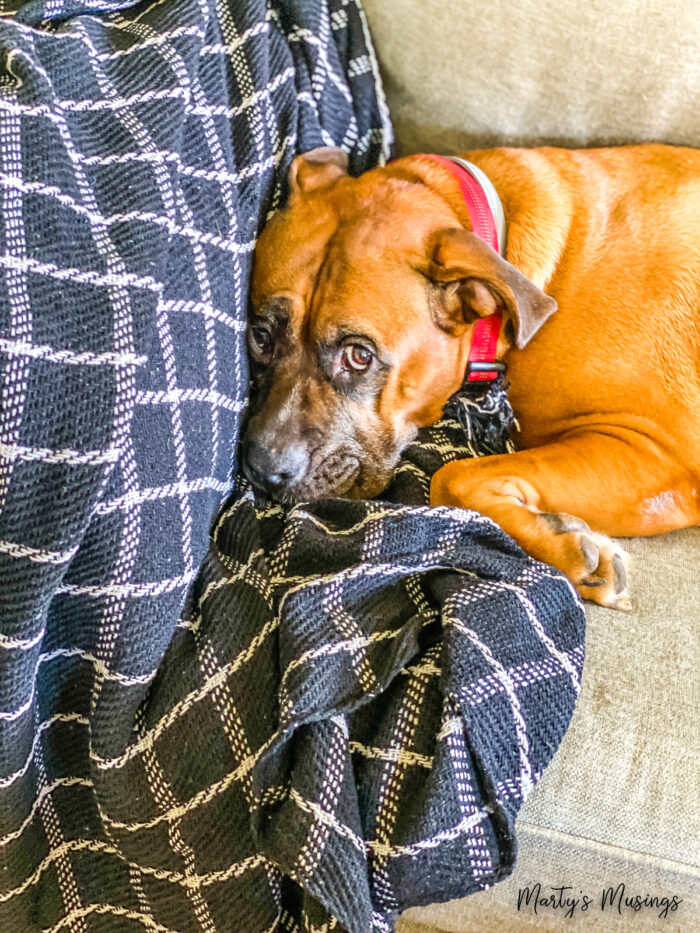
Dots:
{"x": 398, "y": 677}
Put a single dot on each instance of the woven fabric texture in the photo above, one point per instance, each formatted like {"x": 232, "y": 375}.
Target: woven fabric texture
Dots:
{"x": 346, "y": 715}
{"x": 396, "y": 680}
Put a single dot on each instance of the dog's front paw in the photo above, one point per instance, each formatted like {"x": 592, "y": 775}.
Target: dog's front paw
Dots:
{"x": 596, "y": 565}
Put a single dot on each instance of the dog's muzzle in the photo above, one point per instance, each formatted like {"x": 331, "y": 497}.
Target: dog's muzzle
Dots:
{"x": 274, "y": 470}
{"x": 294, "y": 474}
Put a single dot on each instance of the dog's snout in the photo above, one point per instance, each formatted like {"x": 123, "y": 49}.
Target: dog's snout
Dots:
{"x": 268, "y": 467}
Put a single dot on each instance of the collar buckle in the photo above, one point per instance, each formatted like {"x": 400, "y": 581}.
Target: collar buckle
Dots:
{"x": 484, "y": 370}
{"x": 482, "y": 365}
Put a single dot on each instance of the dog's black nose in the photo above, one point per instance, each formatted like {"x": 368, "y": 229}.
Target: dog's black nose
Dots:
{"x": 269, "y": 468}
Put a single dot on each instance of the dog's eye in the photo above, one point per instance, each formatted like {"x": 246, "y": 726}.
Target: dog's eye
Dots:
{"x": 261, "y": 339}
{"x": 355, "y": 358}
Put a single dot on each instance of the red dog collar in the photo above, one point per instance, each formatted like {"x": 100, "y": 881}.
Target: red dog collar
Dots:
{"x": 482, "y": 365}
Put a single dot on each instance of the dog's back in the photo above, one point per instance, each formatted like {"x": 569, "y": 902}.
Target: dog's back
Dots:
{"x": 614, "y": 236}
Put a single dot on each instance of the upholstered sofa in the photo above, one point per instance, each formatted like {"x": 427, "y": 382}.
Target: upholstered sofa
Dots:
{"x": 620, "y": 803}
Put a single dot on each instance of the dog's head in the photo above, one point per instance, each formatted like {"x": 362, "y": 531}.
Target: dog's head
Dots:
{"x": 364, "y": 294}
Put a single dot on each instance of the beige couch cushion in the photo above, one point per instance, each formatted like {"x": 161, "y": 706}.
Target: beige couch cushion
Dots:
{"x": 462, "y": 75}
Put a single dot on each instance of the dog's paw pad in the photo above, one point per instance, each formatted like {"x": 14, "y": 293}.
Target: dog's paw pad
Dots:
{"x": 593, "y": 562}
{"x": 624, "y": 603}
{"x": 612, "y": 569}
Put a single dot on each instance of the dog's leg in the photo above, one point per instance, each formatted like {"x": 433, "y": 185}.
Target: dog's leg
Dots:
{"x": 560, "y": 501}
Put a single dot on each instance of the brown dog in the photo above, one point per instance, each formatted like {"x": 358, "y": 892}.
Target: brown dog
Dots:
{"x": 365, "y": 297}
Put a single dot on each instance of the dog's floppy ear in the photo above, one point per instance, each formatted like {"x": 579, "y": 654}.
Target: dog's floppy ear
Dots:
{"x": 475, "y": 281}
{"x": 317, "y": 168}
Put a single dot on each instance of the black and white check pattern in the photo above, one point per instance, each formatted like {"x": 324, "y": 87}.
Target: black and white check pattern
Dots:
{"x": 348, "y": 712}
{"x": 391, "y": 680}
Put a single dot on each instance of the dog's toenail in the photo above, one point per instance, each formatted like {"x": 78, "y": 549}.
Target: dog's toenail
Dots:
{"x": 620, "y": 574}
{"x": 590, "y": 552}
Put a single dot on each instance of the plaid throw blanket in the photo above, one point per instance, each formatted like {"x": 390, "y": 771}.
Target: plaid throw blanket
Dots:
{"x": 348, "y": 712}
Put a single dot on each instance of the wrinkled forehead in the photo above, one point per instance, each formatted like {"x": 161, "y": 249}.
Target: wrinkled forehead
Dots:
{"x": 291, "y": 249}
{"x": 346, "y": 260}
